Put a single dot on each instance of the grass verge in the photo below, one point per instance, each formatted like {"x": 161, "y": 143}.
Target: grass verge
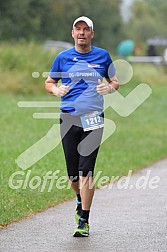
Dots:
{"x": 139, "y": 140}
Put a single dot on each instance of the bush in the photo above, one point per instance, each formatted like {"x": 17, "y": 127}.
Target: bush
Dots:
{"x": 18, "y": 62}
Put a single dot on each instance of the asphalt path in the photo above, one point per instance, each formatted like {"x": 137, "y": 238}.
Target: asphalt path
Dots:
{"x": 121, "y": 220}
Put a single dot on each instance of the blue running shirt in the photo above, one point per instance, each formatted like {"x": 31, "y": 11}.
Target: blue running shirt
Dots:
{"x": 81, "y": 71}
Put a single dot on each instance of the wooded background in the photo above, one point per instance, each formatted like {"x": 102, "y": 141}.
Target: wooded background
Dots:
{"x": 40, "y": 20}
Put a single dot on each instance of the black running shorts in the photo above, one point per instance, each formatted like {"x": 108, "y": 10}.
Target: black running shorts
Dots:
{"x": 80, "y": 148}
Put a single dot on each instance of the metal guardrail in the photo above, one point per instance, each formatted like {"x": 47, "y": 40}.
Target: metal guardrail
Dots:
{"x": 52, "y": 45}
{"x": 146, "y": 59}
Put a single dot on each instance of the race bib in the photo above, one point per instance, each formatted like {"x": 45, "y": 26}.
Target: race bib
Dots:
{"x": 92, "y": 121}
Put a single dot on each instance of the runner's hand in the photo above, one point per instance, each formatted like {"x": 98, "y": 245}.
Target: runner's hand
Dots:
{"x": 60, "y": 91}
{"x": 102, "y": 88}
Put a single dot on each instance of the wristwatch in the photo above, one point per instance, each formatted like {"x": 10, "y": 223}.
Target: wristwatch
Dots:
{"x": 110, "y": 89}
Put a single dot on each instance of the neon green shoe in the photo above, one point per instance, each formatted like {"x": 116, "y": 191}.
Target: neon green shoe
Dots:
{"x": 82, "y": 230}
{"x": 77, "y": 216}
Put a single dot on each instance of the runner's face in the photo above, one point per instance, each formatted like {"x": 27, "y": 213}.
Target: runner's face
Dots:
{"x": 82, "y": 34}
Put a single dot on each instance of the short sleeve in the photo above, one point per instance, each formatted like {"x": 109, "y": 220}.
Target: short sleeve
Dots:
{"x": 110, "y": 69}
{"x": 55, "y": 71}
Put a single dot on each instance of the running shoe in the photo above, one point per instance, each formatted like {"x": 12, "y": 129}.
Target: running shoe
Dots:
{"x": 82, "y": 230}
{"x": 77, "y": 216}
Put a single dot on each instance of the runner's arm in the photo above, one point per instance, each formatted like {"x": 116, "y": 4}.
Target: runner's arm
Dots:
{"x": 52, "y": 88}
{"x": 113, "y": 84}
{"x": 109, "y": 87}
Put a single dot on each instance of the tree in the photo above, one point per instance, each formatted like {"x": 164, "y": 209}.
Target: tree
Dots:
{"x": 21, "y": 18}
{"x": 148, "y": 19}
{"x": 40, "y": 20}
{"x": 104, "y": 13}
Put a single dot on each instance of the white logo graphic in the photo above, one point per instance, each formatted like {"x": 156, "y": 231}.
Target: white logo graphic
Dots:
{"x": 75, "y": 59}
{"x": 93, "y": 65}
{"x": 124, "y": 106}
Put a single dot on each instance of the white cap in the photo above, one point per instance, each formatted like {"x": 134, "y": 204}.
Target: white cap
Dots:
{"x": 87, "y": 20}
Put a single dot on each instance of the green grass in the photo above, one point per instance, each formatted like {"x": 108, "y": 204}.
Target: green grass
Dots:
{"x": 139, "y": 140}
{"x": 18, "y": 62}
